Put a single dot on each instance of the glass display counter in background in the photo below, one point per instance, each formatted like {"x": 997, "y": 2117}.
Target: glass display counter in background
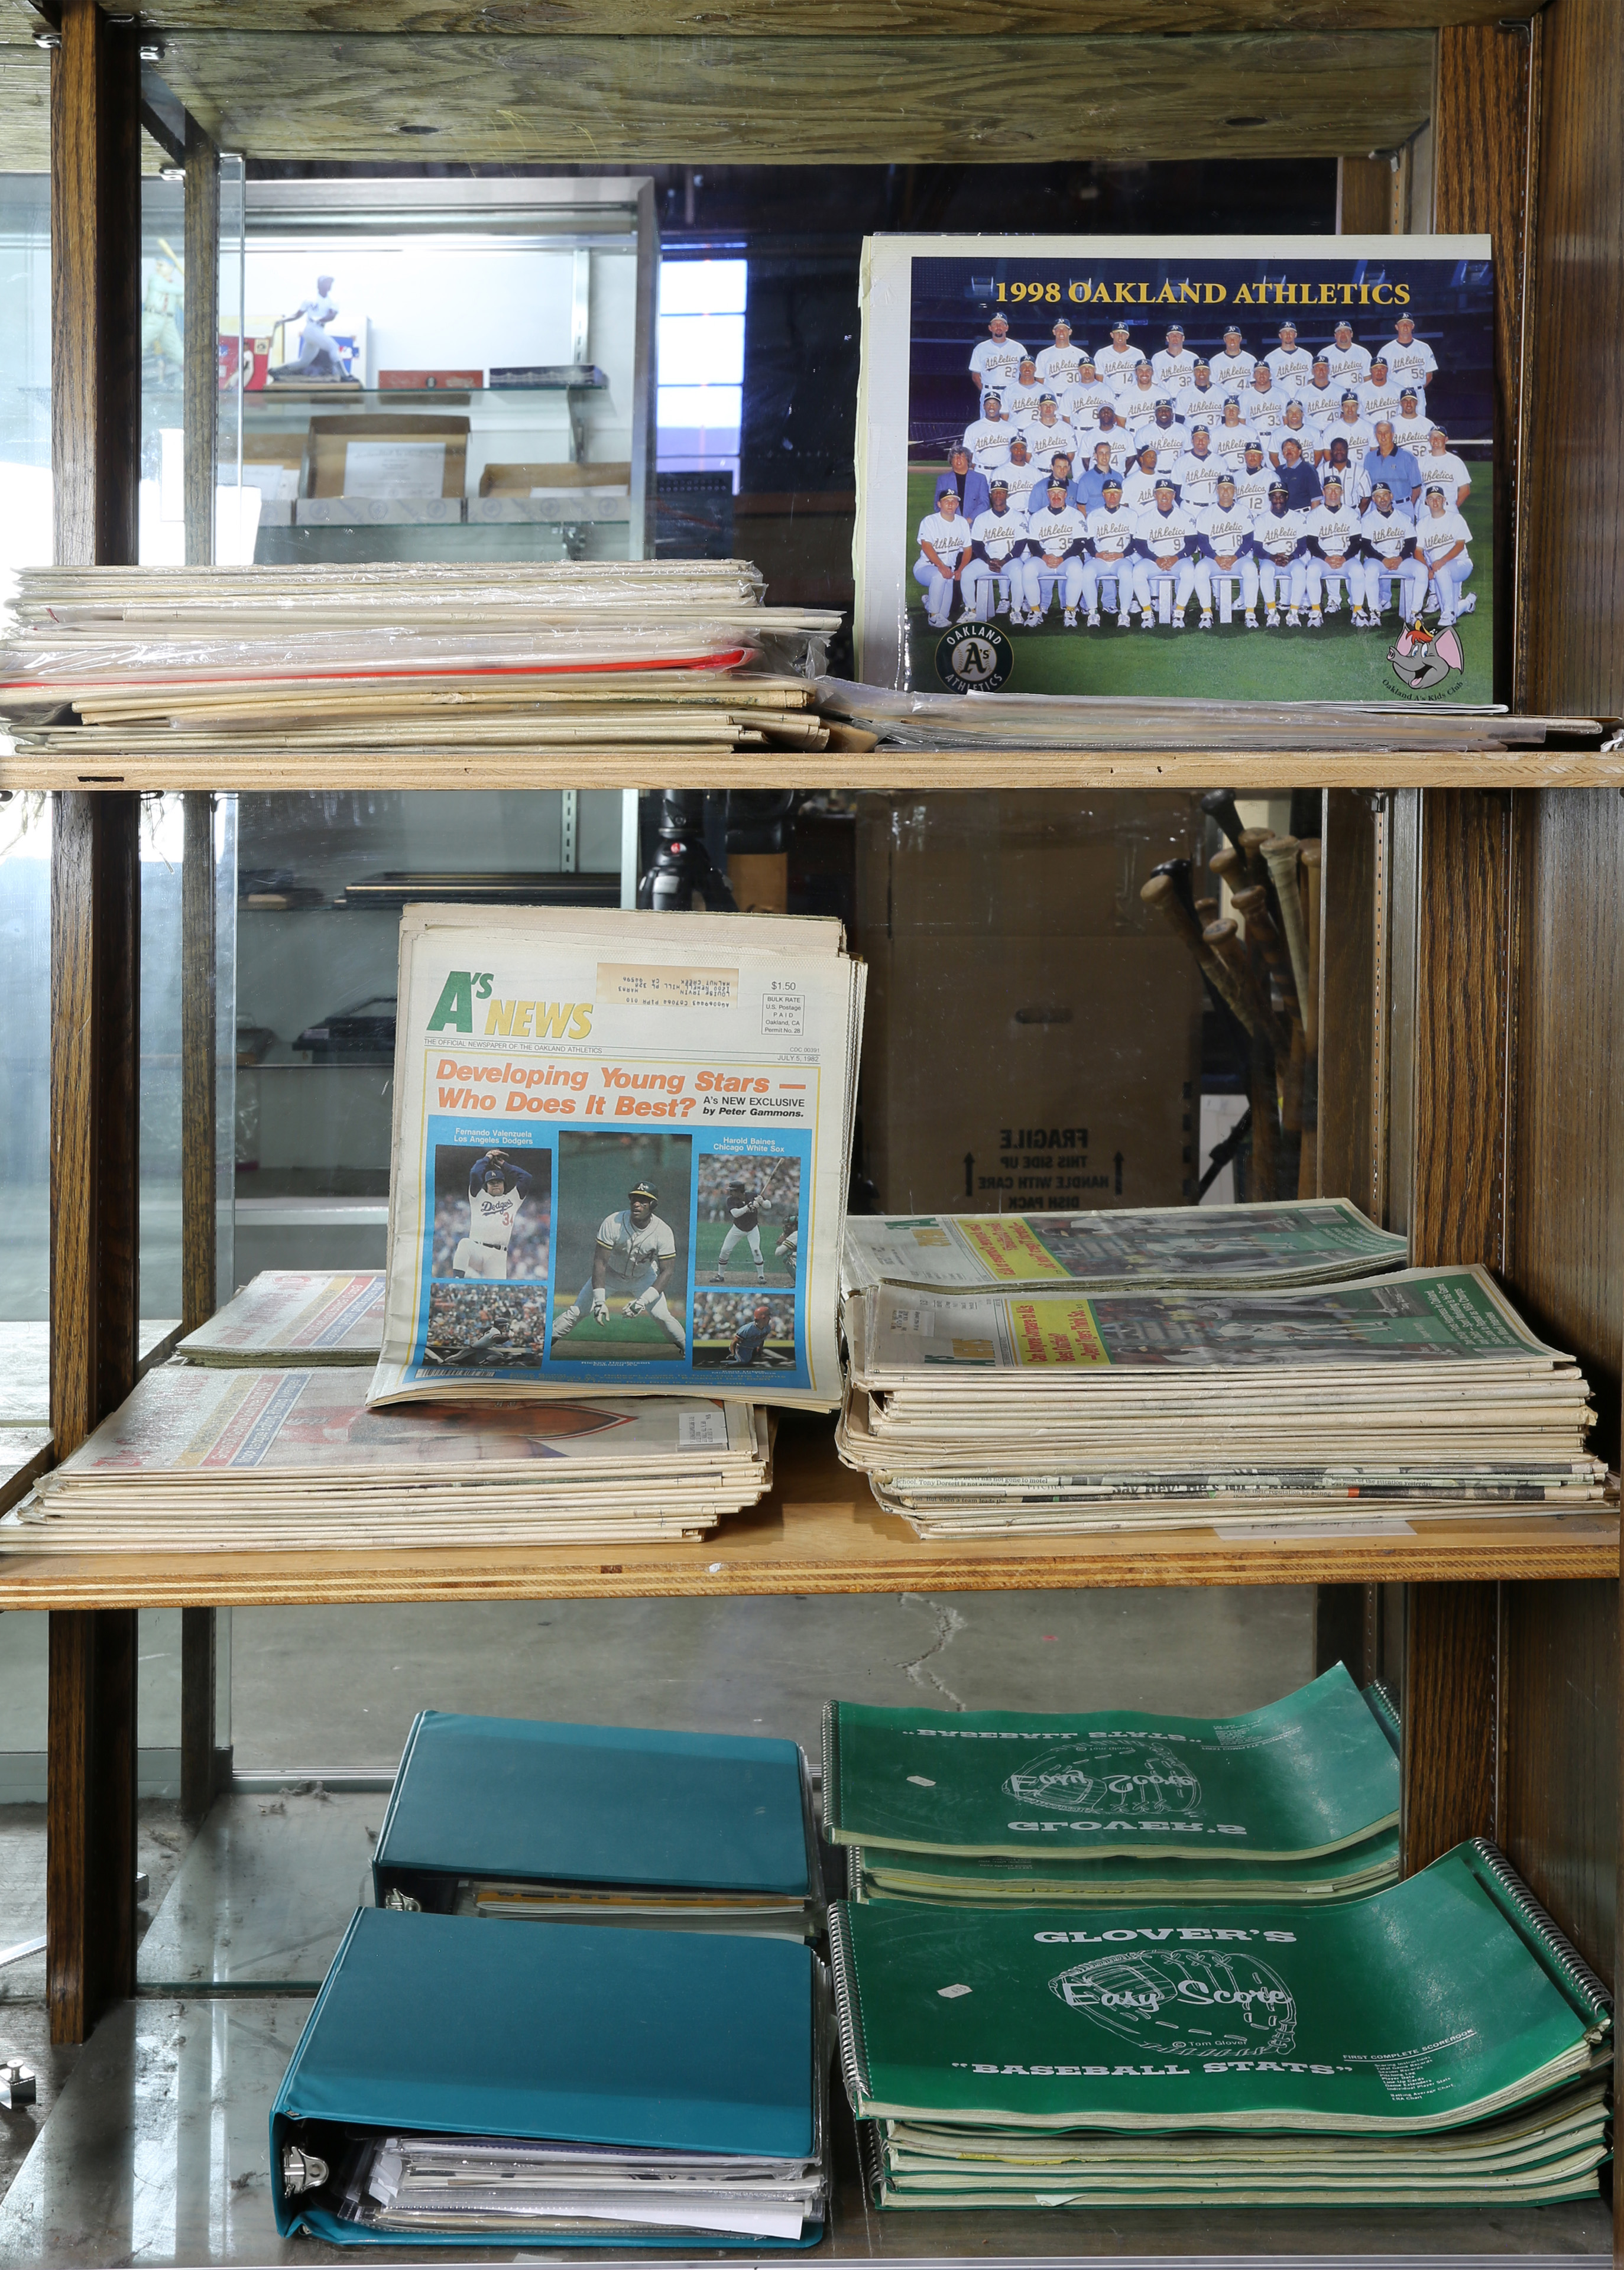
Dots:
{"x": 448, "y": 370}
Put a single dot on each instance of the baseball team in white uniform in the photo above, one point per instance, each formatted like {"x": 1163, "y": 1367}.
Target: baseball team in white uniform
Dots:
{"x": 1124, "y": 481}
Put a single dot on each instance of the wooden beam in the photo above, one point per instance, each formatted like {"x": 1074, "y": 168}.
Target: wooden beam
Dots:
{"x": 95, "y": 1007}
{"x": 1484, "y": 122}
{"x": 1465, "y": 928}
{"x": 1353, "y": 996}
{"x": 200, "y": 413}
{"x": 1571, "y": 573}
{"x": 1365, "y": 195}
{"x": 1450, "y": 1740}
{"x": 90, "y": 1864}
{"x": 744, "y": 99}
{"x": 934, "y": 20}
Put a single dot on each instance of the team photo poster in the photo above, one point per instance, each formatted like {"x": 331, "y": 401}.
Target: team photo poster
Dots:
{"x": 1233, "y": 470}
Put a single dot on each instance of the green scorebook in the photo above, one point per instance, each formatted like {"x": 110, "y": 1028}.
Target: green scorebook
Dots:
{"x": 1448, "y": 1999}
{"x": 1311, "y": 1774}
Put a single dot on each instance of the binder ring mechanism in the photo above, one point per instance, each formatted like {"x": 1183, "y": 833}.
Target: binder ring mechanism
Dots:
{"x": 301, "y": 2171}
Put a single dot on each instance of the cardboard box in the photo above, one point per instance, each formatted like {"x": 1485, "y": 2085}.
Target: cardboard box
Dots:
{"x": 417, "y": 453}
{"x": 1033, "y": 1037}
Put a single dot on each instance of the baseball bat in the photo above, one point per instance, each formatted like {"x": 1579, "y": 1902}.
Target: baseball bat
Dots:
{"x": 1177, "y": 911}
{"x": 1311, "y": 878}
{"x": 1251, "y": 906}
{"x": 1219, "y": 803}
{"x": 1223, "y": 941}
{"x": 1252, "y": 841}
{"x": 1231, "y": 866}
{"x": 1281, "y": 852}
{"x": 1207, "y": 911}
{"x": 1264, "y": 1167}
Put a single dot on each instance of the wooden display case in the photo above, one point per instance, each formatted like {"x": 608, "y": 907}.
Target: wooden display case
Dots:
{"x": 1476, "y": 1099}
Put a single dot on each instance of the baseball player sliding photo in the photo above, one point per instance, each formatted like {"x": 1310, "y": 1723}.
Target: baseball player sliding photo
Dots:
{"x": 635, "y": 1261}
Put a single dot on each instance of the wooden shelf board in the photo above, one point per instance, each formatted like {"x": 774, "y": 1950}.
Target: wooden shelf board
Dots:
{"x": 1245, "y": 770}
{"x": 821, "y": 1531}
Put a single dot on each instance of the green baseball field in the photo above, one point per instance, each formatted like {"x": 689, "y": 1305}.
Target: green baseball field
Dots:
{"x": 633, "y": 1339}
{"x": 741, "y": 1269}
{"x": 1228, "y": 663}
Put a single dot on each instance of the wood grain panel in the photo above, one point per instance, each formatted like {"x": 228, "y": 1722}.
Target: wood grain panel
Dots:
{"x": 1564, "y": 1258}
{"x": 1351, "y": 994}
{"x": 818, "y": 1531}
{"x": 1572, "y": 563}
{"x": 95, "y": 283}
{"x": 1560, "y": 1778}
{"x": 91, "y": 1818}
{"x": 1248, "y": 771}
{"x": 1449, "y": 1743}
{"x": 1463, "y": 1006}
{"x": 1364, "y": 197}
{"x": 826, "y": 20}
{"x": 1483, "y": 131}
{"x": 644, "y": 100}
{"x": 198, "y": 1163}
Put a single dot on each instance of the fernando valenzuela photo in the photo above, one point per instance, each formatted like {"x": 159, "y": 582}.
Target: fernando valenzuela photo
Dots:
{"x": 1231, "y": 469}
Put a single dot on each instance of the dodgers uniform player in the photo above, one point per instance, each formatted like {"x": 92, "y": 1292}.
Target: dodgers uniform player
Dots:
{"x": 1282, "y": 574}
{"x": 1165, "y": 536}
{"x": 496, "y": 1190}
{"x": 1116, "y": 363}
{"x": 995, "y": 361}
{"x": 1234, "y": 367}
{"x": 1408, "y": 359}
{"x": 1174, "y": 365}
{"x": 1056, "y": 533}
{"x": 1439, "y": 464}
{"x": 1442, "y": 562}
{"x": 1388, "y": 535}
{"x": 1058, "y": 365}
{"x": 1225, "y": 527}
{"x": 1110, "y": 553}
{"x": 1292, "y": 365}
{"x": 1332, "y": 531}
{"x": 944, "y": 550}
{"x": 996, "y": 539}
{"x": 1349, "y": 363}
{"x": 636, "y": 1255}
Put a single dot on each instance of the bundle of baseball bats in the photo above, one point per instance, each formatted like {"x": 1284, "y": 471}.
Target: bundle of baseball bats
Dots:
{"x": 1261, "y": 967}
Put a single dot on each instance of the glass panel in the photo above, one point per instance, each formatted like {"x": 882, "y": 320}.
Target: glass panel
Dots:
{"x": 163, "y": 334}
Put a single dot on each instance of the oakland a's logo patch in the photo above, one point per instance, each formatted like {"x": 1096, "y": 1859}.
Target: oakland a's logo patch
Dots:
{"x": 974, "y": 658}
{"x": 1125, "y": 1775}
{"x": 1185, "y": 2001}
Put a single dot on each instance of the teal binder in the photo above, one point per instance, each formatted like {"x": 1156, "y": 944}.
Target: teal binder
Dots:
{"x": 663, "y": 2040}
{"x": 527, "y": 1800}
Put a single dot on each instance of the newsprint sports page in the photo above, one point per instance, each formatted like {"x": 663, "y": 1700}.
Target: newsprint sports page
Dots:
{"x": 621, "y": 1146}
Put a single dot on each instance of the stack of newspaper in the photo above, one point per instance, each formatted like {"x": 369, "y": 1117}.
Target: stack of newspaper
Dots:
{"x": 1439, "y": 2043}
{"x": 203, "y": 1459}
{"x": 405, "y": 659}
{"x": 1298, "y": 1801}
{"x": 1057, "y": 1409}
{"x": 294, "y": 1316}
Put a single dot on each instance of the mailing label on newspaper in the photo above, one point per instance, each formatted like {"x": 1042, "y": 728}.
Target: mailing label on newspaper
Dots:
{"x": 608, "y": 1172}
